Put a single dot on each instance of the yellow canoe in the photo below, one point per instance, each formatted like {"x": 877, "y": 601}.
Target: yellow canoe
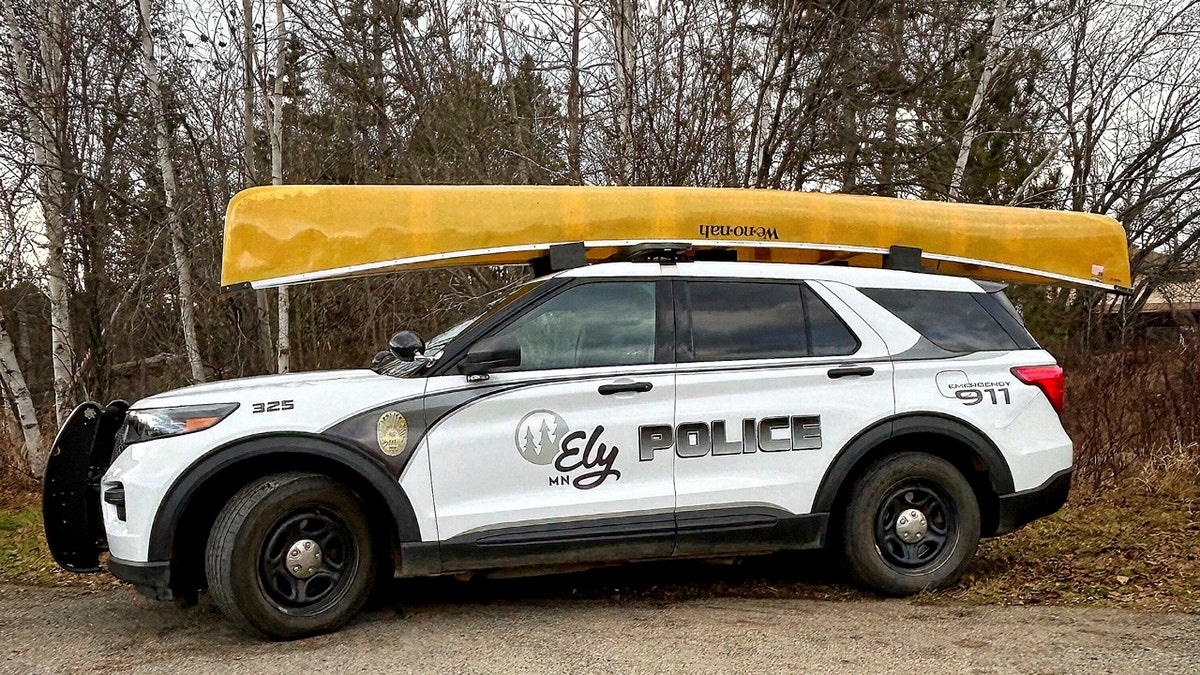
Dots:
{"x": 290, "y": 234}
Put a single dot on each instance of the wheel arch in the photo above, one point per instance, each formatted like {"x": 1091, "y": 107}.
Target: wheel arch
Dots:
{"x": 190, "y": 507}
{"x": 952, "y": 439}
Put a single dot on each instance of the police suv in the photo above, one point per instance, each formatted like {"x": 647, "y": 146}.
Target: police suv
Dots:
{"x": 621, "y": 411}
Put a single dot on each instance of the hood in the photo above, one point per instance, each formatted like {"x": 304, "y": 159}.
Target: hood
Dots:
{"x": 230, "y": 391}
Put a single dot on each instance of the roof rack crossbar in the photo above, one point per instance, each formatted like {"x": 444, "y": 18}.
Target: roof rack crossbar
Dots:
{"x": 560, "y": 257}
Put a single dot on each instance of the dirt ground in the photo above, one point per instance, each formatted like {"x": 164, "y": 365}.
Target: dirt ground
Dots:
{"x": 523, "y": 629}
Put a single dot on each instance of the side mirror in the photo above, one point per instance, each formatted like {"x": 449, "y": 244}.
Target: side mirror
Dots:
{"x": 405, "y": 345}
{"x": 492, "y": 353}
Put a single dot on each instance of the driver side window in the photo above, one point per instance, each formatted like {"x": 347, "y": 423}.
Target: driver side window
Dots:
{"x": 596, "y": 324}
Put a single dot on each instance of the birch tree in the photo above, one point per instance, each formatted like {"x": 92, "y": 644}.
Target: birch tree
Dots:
{"x": 275, "y": 119}
{"x": 970, "y": 126}
{"x": 44, "y": 107}
{"x": 183, "y": 266}
{"x": 14, "y": 382}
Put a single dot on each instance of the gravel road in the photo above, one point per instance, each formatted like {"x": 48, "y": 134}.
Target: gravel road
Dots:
{"x": 115, "y": 630}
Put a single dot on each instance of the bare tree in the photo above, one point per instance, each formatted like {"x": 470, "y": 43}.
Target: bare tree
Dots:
{"x": 44, "y": 138}
{"x": 14, "y": 382}
{"x": 183, "y": 266}
{"x": 970, "y": 126}
{"x": 275, "y": 108}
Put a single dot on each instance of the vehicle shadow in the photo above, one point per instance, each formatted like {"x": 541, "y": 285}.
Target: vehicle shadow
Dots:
{"x": 807, "y": 574}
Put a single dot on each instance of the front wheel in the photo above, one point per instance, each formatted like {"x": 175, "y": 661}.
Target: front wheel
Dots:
{"x": 911, "y": 524}
{"x": 290, "y": 555}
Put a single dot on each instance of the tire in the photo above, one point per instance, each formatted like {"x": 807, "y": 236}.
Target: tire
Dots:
{"x": 261, "y": 533}
{"x": 894, "y": 554}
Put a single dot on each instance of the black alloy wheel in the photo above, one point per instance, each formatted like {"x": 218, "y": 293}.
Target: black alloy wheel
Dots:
{"x": 306, "y": 560}
{"x": 914, "y": 525}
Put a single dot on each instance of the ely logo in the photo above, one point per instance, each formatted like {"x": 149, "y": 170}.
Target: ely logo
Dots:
{"x": 543, "y": 437}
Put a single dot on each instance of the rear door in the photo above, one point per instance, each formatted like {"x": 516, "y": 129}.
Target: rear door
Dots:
{"x": 774, "y": 377}
{"x": 540, "y": 465}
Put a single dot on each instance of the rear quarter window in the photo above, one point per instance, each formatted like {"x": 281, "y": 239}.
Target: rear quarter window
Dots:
{"x": 955, "y": 321}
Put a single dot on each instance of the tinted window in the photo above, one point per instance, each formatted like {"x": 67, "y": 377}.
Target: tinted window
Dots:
{"x": 734, "y": 320}
{"x": 951, "y": 320}
{"x": 597, "y": 324}
{"x": 737, "y": 320}
{"x": 828, "y": 336}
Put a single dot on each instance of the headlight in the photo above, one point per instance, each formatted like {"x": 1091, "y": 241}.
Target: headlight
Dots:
{"x": 143, "y": 425}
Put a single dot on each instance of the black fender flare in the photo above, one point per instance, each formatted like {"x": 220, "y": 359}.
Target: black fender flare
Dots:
{"x": 860, "y": 446}
{"x": 347, "y": 454}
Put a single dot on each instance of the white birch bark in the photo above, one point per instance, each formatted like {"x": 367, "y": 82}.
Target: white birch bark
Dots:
{"x": 970, "y": 127}
{"x": 276, "y": 108}
{"x": 262, "y": 304}
{"x": 183, "y": 266}
{"x": 625, "y": 68}
{"x": 47, "y": 157}
{"x": 14, "y": 380}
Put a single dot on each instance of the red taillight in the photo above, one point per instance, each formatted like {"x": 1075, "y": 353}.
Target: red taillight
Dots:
{"x": 1047, "y": 378}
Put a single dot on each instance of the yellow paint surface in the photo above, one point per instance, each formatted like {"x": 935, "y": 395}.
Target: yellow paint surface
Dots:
{"x": 275, "y": 234}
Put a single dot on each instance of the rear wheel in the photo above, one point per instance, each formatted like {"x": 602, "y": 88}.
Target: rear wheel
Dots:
{"x": 290, "y": 555}
{"x": 911, "y": 524}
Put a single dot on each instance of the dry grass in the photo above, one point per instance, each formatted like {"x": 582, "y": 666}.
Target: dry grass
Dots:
{"x": 1128, "y": 549}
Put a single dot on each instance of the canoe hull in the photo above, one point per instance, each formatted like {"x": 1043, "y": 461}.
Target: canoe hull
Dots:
{"x": 283, "y": 235}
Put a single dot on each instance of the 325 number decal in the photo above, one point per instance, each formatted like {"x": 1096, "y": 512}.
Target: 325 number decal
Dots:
{"x": 998, "y": 396}
{"x": 273, "y": 406}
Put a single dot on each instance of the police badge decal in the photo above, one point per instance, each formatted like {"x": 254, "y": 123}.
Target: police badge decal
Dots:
{"x": 392, "y": 433}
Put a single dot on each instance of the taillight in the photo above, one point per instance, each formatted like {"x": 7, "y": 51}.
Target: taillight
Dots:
{"x": 1047, "y": 378}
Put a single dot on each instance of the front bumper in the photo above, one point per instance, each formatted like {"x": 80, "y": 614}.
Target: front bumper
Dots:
{"x": 1023, "y": 507}
{"x": 152, "y": 579}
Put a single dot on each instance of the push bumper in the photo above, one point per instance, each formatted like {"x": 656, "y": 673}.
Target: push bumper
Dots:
{"x": 1019, "y": 508}
{"x": 152, "y": 579}
{"x": 71, "y": 494}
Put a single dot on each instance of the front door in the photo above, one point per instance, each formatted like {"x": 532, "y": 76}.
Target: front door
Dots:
{"x": 540, "y": 465}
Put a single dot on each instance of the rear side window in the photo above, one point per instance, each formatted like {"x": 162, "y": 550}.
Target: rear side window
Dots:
{"x": 955, "y": 321}
{"x": 732, "y": 320}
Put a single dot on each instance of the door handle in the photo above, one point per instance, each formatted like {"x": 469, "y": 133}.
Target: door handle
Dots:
{"x": 636, "y": 387}
{"x": 851, "y": 371}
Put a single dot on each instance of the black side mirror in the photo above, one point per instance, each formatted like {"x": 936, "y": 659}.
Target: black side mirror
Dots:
{"x": 405, "y": 345}
{"x": 491, "y": 353}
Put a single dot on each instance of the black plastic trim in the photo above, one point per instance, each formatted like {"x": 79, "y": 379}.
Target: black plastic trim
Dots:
{"x": 79, "y": 456}
{"x": 696, "y": 533}
{"x": 355, "y": 458}
{"x": 860, "y": 446}
{"x": 1026, "y": 506}
{"x": 152, "y": 579}
{"x": 573, "y": 541}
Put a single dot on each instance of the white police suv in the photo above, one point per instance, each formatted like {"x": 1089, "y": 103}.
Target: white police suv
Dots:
{"x": 615, "y": 412}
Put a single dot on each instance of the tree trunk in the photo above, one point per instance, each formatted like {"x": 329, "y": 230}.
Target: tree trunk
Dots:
{"x": 47, "y": 157}
{"x": 970, "y": 127}
{"x": 523, "y": 173}
{"x": 183, "y": 266}
{"x": 625, "y": 67}
{"x": 284, "y": 339}
{"x": 262, "y": 304}
{"x": 14, "y": 382}
{"x": 573, "y": 100}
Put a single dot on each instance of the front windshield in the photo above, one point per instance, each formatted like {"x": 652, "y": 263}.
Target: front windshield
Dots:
{"x": 435, "y": 345}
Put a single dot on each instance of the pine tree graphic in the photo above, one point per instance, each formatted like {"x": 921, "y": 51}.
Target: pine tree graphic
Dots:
{"x": 546, "y": 443}
{"x": 528, "y": 444}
